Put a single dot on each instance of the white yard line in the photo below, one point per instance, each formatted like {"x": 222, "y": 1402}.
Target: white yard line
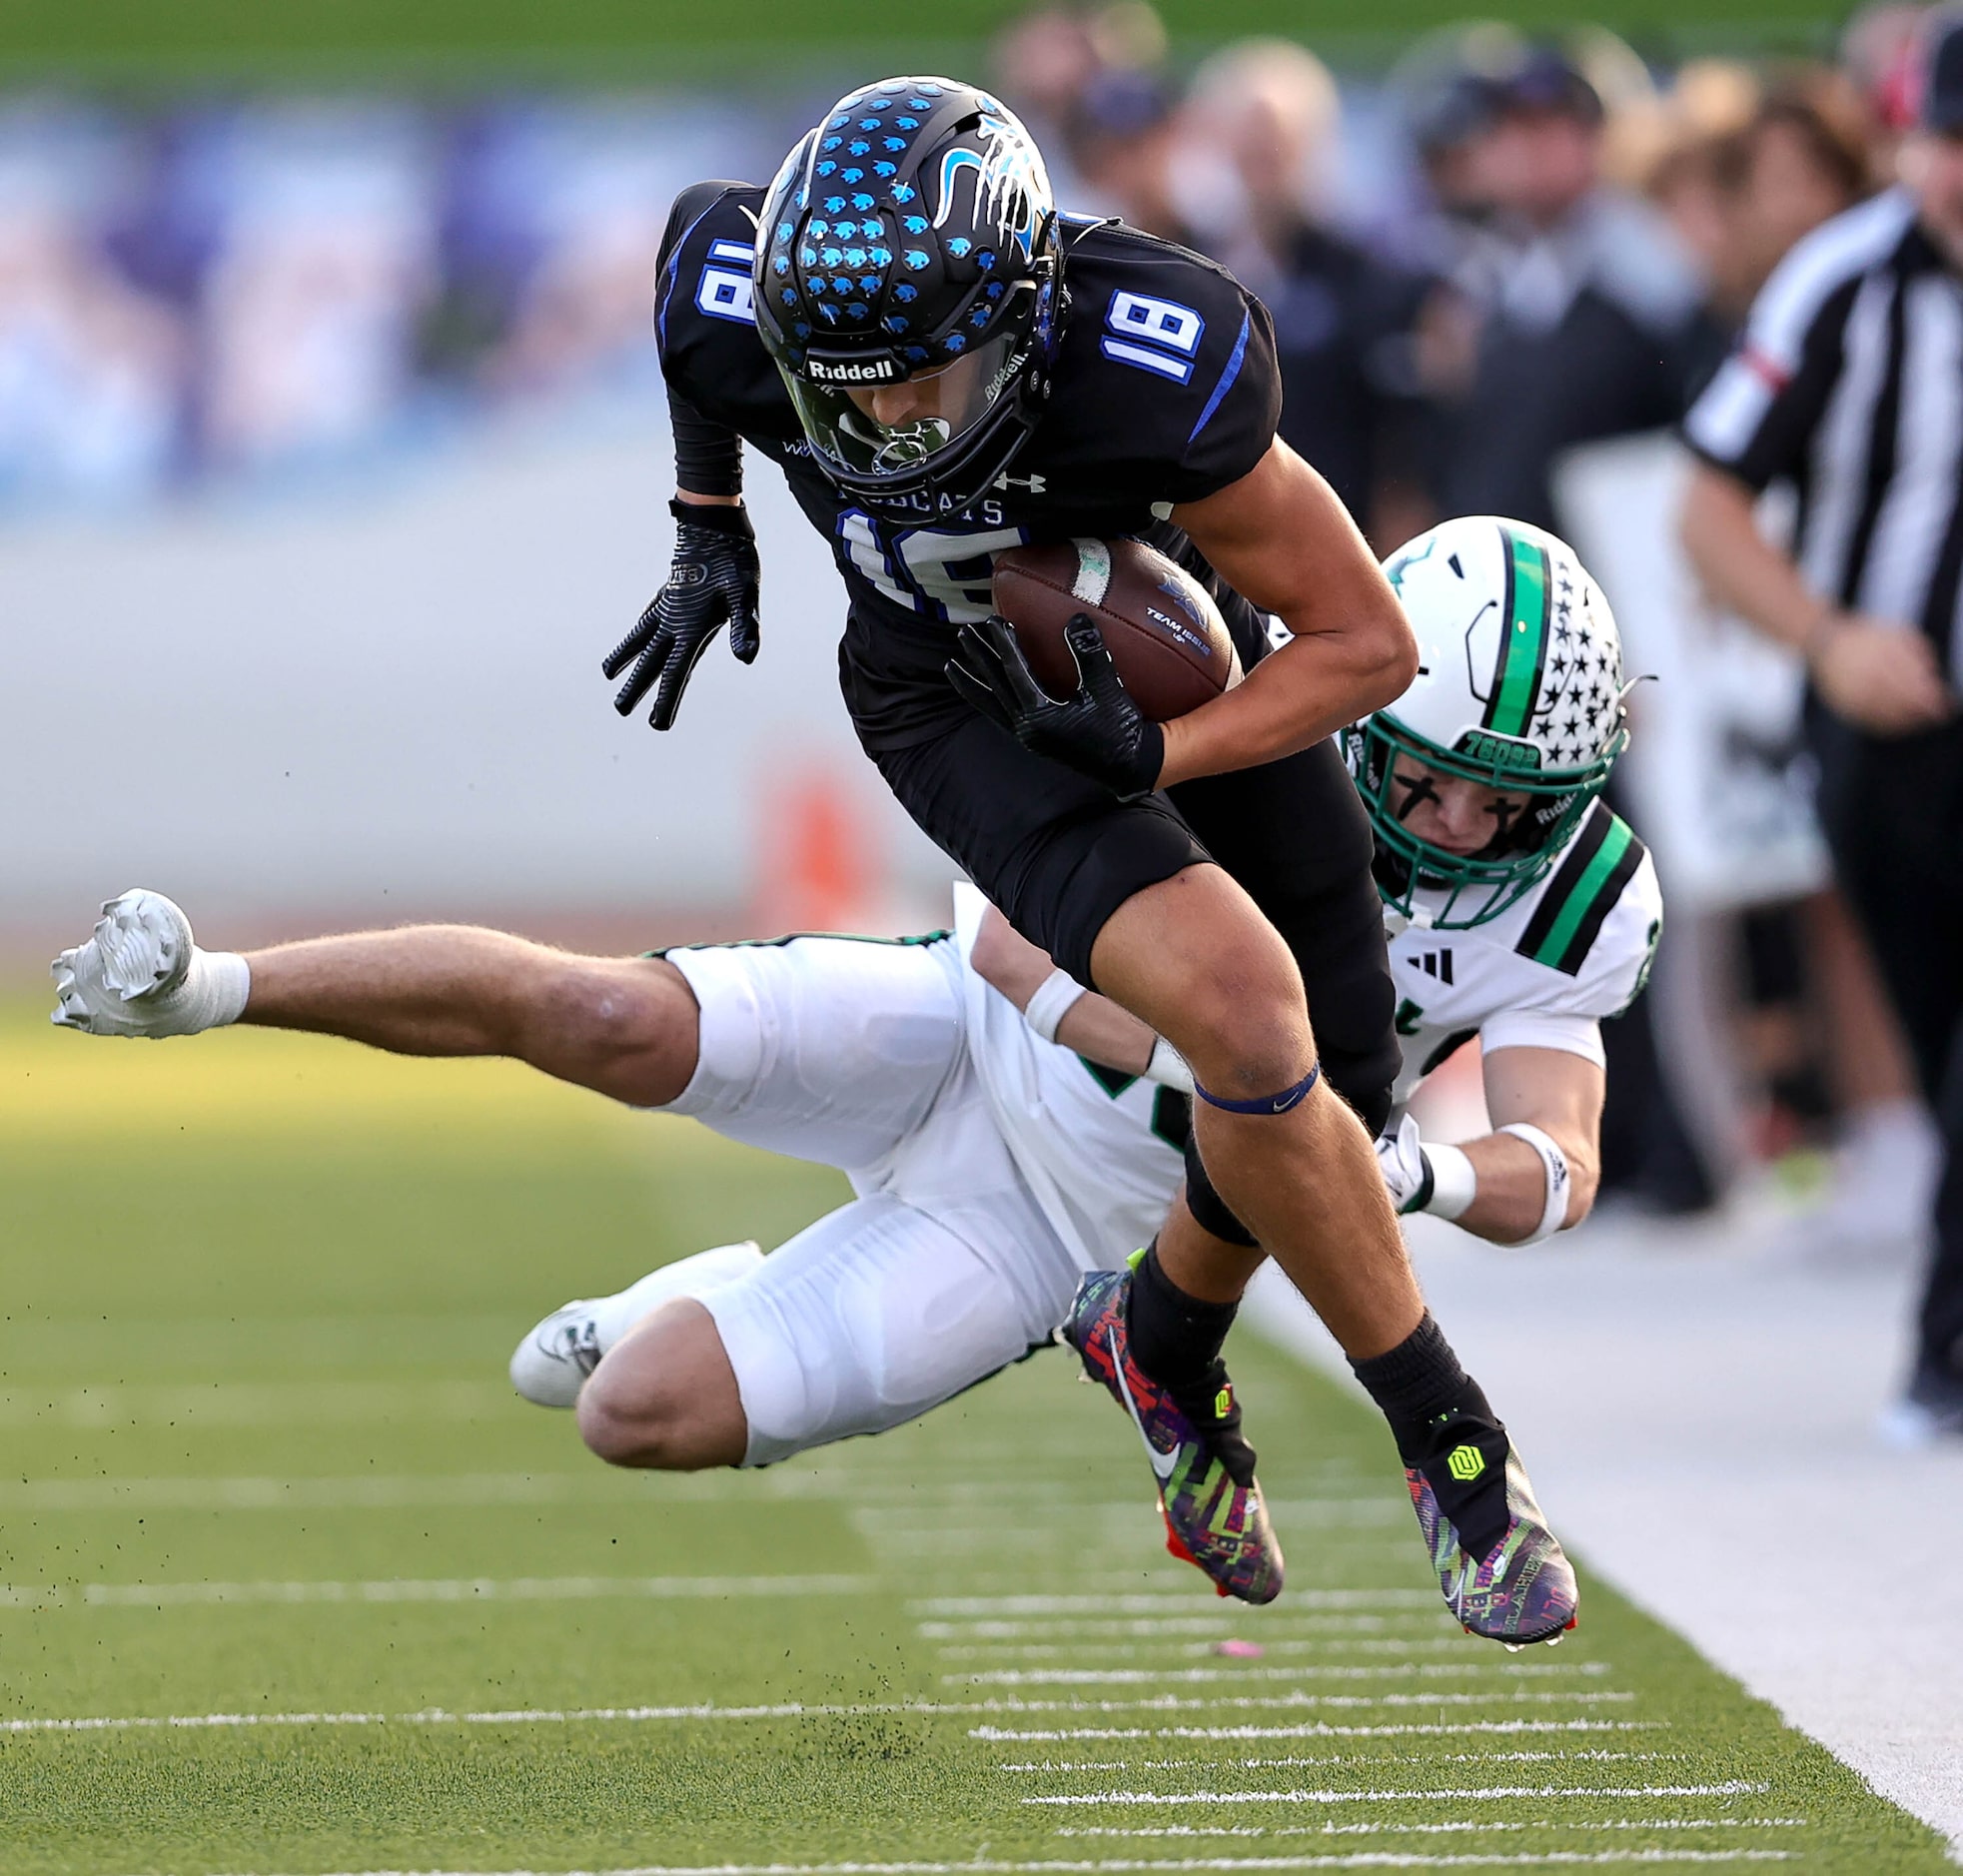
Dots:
{"x": 1126, "y": 1651}
{"x": 1194, "y": 1600}
{"x": 1270, "y": 1621}
{"x": 795, "y": 1710}
{"x": 1106, "y": 1866}
{"x": 429, "y": 1589}
{"x": 253, "y": 1404}
{"x": 383, "y": 1491}
{"x": 1314, "y": 1729}
{"x": 1729, "y": 1788}
{"x": 1403, "y": 1670}
{"x": 1325, "y": 1758}
{"x": 1468, "y": 1826}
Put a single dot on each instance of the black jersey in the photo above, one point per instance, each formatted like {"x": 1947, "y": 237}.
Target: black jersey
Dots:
{"x": 1165, "y": 391}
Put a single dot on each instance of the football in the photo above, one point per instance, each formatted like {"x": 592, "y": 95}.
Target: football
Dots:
{"x": 1163, "y": 632}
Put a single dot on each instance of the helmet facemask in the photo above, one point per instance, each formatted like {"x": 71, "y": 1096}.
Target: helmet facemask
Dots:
{"x": 1519, "y": 690}
{"x": 1477, "y": 886}
{"x": 911, "y": 238}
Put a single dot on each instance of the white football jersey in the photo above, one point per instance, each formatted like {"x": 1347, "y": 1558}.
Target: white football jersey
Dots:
{"x": 1545, "y": 971}
{"x": 1102, "y": 1152}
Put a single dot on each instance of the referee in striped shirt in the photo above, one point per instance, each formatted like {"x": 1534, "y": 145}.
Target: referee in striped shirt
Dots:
{"x": 1848, "y": 385}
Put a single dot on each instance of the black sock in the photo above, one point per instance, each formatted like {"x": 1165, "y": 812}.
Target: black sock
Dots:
{"x": 1177, "y": 1339}
{"x": 1436, "y": 1409}
{"x": 1174, "y": 1338}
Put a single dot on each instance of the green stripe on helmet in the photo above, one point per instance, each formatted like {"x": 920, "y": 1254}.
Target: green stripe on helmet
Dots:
{"x": 1523, "y": 641}
{"x": 1602, "y": 874}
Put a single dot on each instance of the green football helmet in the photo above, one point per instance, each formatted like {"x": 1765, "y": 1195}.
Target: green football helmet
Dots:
{"x": 1520, "y": 687}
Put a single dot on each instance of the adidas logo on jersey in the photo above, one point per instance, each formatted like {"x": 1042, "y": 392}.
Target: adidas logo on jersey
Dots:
{"x": 1436, "y": 964}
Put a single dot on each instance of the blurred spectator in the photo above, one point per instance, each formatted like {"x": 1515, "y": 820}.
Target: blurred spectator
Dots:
{"x": 1848, "y": 383}
{"x": 1880, "y": 53}
{"x": 91, "y": 370}
{"x": 555, "y": 222}
{"x": 326, "y": 221}
{"x": 1742, "y": 195}
{"x": 1587, "y": 307}
{"x": 1253, "y": 181}
{"x": 1121, "y": 141}
{"x": 1575, "y": 319}
{"x": 1089, "y": 83}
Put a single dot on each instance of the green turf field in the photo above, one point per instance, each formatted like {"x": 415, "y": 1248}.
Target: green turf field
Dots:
{"x": 290, "y": 1582}
{"x": 647, "y": 41}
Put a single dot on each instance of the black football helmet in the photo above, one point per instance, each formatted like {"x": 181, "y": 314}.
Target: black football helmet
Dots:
{"x": 909, "y": 288}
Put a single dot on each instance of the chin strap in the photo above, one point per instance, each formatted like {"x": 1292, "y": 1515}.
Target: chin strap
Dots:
{"x": 1553, "y": 1215}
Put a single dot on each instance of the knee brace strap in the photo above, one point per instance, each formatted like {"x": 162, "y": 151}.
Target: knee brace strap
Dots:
{"x": 1265, "y": 1104}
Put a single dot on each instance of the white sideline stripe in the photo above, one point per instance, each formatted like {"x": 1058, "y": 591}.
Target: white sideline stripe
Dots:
{"x": 1407, "y": 1670}
{"x": 1730, "y": 1788}
{"x": 1195, "y": 1601}
{"x": 795, "y": 1709}
{"x": 429, "y": 1589}
{"x": 1311, "y": 1729}
{"x": 1112, "y": 1866}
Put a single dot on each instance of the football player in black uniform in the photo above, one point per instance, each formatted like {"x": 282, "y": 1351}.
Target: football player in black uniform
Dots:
{"x": 944, "y": 366}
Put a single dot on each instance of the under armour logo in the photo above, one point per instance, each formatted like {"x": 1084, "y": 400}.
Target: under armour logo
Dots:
{"x": 1036, "y": 485}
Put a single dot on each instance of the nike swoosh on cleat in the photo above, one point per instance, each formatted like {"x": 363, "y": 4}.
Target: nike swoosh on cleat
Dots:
{"x": 1164, "y": 1464}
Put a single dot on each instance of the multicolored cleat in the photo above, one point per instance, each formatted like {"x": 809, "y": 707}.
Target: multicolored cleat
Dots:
{"x": 1522, "y": 1588}
{"x": 1212, "y": 1520}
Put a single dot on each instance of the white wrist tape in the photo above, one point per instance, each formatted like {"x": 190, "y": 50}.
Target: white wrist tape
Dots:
{"x": 1168, "y": 1067}
{"x": 1554, "y": 1214}
{"x": 1454, "y": 1181}
{"x": 1051, "y": 1003}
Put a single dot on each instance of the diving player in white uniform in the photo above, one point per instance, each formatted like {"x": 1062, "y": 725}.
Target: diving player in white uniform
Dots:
{"x": 996, "y": 1155}
{"x": 992, "y": 1167}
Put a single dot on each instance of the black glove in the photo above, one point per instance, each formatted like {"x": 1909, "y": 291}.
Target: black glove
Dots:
{"x": 1099, "y": 732}
{"x": 713, "y": 581}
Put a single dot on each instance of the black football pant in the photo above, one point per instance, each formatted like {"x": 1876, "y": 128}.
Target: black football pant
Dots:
{"x": 1059, "y": 854}
{"x": 1893, "y": 815}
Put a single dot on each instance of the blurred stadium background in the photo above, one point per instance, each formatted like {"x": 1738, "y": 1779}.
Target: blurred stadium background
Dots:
{"x": 333, "y": 457}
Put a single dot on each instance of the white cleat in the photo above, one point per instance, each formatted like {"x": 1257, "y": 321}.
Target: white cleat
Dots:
{"x": 127, "y": 979}
{"x": 550, "y": 1365}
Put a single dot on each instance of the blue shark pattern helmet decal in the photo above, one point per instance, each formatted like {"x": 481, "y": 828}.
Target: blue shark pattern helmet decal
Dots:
{"x": 943, "y": 261}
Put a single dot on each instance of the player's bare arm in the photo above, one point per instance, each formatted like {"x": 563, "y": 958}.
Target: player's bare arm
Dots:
{"x": 1091, "y": 1025}
{"x": 1280, "y": 537}
{"x": 1878, "y": 675}
{"x": 1561, "y": 1096}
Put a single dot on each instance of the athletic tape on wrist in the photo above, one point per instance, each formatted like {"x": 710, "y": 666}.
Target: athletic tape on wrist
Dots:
{"x": 217, "y": 988}
{"x": 1454, "y": 1181}
{"x": 1554, "y": 1214}
{"x": 1051, "y": 1002}
{"x": 1168, "y": 1067}
{"x": 1265, "y": 1104}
